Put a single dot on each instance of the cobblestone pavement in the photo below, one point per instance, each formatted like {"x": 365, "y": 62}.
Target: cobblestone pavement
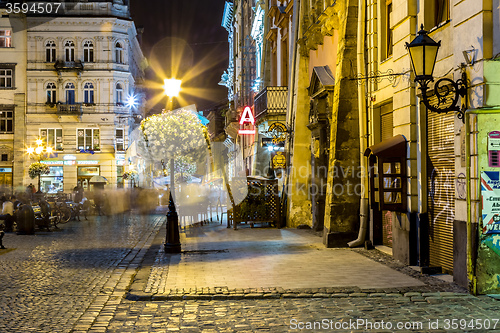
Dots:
{"x": 214, "y": 256}
{"x": 76, "y": 280}
{"x": 63, "y": 280}
{"x": 378, "y": 312}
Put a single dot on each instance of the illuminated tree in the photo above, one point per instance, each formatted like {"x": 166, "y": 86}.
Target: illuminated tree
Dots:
{"x": 174, "y": 135}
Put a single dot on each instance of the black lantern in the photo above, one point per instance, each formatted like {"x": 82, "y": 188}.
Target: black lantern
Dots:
{"x": 423, "y": 53}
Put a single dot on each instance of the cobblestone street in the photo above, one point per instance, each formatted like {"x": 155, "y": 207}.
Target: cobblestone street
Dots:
{"x": 62, "y": 280}
{"x": 342, "y": 313}
{"x": 82, "y": 278}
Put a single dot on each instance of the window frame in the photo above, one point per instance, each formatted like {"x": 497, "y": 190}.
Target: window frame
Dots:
{"x": 441, "y": 18}
{"x": 119, "y": 52}
{"x": 88, "y": 51}
{"x": 69, "y": 51}
{"x": 122, "y": 139}
{"x": 52, "y": 97}
{"x": 55, "y": 131}
{"x": 50, "y": 51}
{"x": 5, "y": 120}
{"x": 67, "y": 93}
{"x": 7, "y": 68}
{"x": 85, "y": 137}
{"x": 6, "y": 37}
{"x": 388, "y": 30}
{"x": 119, "y": 94}
{"x": 88, "y": 93}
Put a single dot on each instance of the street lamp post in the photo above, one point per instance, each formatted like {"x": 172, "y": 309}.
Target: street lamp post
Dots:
{"x": 172, "y": 242}
{"x": 39, "y": 151}
{"x": 423, "y": 53}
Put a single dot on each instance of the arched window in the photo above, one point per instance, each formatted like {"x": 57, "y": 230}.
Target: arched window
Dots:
{"x": 69, "y": 51}
{"x": 88, "y": 93}
{"x": 50, "y": 88}
{"x": 119, "y": 53}
{"x": 88, "y": 51}
{"x": 119, "y": 94}
{"x": 69, "y": 90}
{"x": 50, "y": 51}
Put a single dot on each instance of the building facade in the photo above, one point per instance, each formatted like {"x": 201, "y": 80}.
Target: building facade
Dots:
{"x": 82, "y": 97}
{"x": 12, "y": 98}
{"x": 366, "y": 158}
{"x": 438, "y": 222}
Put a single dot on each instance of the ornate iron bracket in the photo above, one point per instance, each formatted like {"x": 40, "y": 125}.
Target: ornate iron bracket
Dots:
{"x": 447, "y": 92}
{"x": 377, "y": 76}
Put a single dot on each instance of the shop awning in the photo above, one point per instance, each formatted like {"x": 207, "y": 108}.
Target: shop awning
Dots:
{"x": 393, "y": 147}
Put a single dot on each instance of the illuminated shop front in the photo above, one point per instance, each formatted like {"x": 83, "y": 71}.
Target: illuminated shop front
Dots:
{"x": 5, "y": 177}
{"x": 53, "y": 182}
{"x": 85, "y": 171}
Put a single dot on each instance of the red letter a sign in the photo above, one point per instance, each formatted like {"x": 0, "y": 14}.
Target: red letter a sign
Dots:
{"x": 246, "y": 118}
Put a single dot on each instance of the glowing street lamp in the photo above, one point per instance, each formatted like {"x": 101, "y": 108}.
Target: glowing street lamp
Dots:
{"x": 172, "y": 89}
{"x": 40, "y": 151}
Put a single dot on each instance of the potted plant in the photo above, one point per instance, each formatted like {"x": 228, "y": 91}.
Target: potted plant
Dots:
{"x": 36, "y": 170}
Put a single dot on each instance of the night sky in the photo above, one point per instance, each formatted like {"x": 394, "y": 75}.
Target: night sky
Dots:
{"x": 198, "y": 23}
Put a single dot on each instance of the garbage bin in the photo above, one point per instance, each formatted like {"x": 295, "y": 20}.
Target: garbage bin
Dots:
{"x": 25, "y": 220}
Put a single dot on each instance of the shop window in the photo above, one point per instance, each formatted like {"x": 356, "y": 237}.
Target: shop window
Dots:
{"x": 119, "y": 137}
{"x": 50, "y": 51}
{"x": 88, "y": 139}
{"x": 50, "y": 90}
{"x": 88, "y": 51}
{"x": 6, "y": 77}
{"x": 5, "y": 38}
{"x": 119, "y": 176}
{"x": 6, "y": 121}
{"x": 53, "y": 182}
{"x": 52, "y": 137}
{"x": 388, "y": 181}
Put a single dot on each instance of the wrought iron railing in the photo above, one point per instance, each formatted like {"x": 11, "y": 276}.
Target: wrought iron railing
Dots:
{"x": 60, "y": 65}
{"x": 74, "y": 109}
{"x": 271, "y": 100}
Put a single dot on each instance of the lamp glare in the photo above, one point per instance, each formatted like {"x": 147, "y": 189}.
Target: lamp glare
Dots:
{"x": 172, "y": 87}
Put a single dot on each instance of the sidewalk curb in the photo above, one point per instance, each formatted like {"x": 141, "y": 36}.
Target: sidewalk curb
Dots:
{"x": 402, "y": 296}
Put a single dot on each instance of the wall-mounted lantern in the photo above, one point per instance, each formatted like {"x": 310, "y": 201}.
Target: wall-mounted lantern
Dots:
{"x": 423, "y": 53}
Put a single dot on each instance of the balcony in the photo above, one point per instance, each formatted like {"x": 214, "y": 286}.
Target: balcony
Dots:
{"x": 68, "y": 66}
{"x": 69, "y": 109}
{"x": 271, "y": 101}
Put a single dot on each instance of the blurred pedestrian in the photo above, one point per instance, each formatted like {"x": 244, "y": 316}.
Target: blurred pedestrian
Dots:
{"x": 78, "y": 194}
{"x": 7, "y": 213}
{"x": 2, "y": 233}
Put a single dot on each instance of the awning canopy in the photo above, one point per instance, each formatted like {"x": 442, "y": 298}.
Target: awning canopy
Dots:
{"x": 98, "y": 179}
{"x": 393, "y": 147}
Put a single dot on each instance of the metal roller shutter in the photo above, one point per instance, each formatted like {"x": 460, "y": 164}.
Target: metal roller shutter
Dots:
{"x": 441, "y": 188}
{"x": 386, "y": 126}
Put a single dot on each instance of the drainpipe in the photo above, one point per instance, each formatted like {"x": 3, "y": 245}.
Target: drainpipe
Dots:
{"x": 471, "y": 262}
{"x": 363, "y": 207}
{"x": 290, "y": 118}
